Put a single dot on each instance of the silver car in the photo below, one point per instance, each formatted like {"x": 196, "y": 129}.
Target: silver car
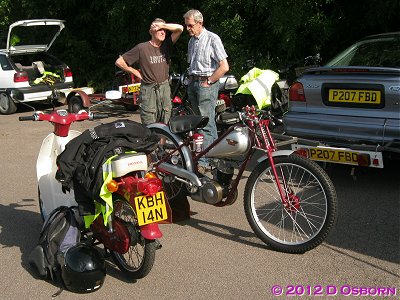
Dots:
{"x": 350, "y": 107}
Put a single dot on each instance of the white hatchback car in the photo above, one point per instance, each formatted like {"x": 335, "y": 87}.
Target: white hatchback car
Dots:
{"x": 25, "y": 59}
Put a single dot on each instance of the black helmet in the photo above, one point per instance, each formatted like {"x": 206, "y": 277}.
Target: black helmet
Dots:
{"x": 83, "y": 269}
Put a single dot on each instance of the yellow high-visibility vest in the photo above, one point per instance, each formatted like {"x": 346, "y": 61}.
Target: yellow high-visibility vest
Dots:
{"x": 258, "y": 83}
{"x": 105, "y": 194}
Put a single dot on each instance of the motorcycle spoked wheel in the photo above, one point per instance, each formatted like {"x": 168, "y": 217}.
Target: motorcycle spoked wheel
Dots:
{"x": 174, "y": 189}
{"x": 311, "y": 209}
{"x": 139, "y": 260}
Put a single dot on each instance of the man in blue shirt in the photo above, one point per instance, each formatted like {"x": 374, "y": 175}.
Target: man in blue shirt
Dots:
{"x": 207, "y": 64}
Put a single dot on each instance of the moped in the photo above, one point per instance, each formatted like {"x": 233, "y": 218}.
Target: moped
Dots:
{"x": 289, "y": 201}
{"x": 131, "y": 240}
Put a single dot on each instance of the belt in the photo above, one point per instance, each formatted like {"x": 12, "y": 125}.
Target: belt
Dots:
{"x": 154, "y": 83}
{"x": 198, "y": 78}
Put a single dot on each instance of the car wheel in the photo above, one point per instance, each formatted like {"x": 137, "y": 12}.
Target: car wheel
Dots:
{"x": 7, "y": 105}
{"x": 75, "y": 104}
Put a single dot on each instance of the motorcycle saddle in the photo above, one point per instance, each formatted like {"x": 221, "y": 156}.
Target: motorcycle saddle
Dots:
{"x": 186, "y": 123}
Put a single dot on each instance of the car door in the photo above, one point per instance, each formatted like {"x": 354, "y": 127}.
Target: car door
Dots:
{"x": 28, "y": 36}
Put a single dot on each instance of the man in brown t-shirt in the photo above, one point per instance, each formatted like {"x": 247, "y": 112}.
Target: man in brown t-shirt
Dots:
{"x": 153, "y": 58}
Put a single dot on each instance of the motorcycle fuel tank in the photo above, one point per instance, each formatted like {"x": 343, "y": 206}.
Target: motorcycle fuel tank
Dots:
{"x": 235, "y": 144}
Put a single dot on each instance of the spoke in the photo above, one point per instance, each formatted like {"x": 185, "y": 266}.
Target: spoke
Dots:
{"x": 307, "y": 217}
{"x": 270, "y": 212}
{"x": 133, "y": 258}
{"x": 307, "y": 211}
{"x": 298, "y": 226}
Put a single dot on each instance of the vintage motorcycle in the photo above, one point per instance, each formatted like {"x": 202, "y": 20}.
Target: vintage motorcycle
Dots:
{"x": 228, "y": 100}
{"x": 180, "y": 102}
{"x": 129, "y": 234}
{"x": 289, "y": 201}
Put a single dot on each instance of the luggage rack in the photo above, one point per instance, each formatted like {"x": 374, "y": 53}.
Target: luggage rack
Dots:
{"x": 283, "y": 140}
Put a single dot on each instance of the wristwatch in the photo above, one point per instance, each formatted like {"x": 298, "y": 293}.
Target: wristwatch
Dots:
{"x": 209, "y": 81}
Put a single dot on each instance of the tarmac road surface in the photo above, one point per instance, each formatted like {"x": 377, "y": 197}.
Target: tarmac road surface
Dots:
{"x": 214, "y": 255}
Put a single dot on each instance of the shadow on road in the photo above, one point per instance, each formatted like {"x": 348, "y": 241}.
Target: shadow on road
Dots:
{"x": 368, "y": 217}
{"x": 21, "y": 228}
{"x": 225, "y": 232}
{"x": 369, "y": 211}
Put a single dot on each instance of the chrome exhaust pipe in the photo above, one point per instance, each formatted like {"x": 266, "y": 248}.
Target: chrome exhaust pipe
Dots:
{"x": 180, "y": 172}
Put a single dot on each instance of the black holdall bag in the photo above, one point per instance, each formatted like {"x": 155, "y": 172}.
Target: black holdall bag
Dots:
{"x": 59, "y": 232}
{"x": 80, "y": 164}
{"x": 66, "y": 255}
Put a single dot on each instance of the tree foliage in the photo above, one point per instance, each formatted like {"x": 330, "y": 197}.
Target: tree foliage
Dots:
{"x": 273, "y": 33}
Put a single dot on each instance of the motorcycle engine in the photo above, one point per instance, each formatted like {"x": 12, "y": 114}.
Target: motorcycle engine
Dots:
{"x": 214, "y": 190}
{"x": 210, "y": 192}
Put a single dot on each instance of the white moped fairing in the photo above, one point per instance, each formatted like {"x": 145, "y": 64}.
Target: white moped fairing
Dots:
{"x": 50, "y": 191}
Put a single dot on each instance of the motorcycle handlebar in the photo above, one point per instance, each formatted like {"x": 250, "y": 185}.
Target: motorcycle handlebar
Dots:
{"x": 64, "y": 117}
{"x": 100, "y": 116}
{"x": 27, "y": 118}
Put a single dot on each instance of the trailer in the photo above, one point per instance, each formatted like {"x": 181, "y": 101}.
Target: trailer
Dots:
{"x": 126, "y": 84}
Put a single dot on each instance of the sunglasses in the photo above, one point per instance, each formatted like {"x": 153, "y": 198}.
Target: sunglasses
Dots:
{"x": 190, "y": 25}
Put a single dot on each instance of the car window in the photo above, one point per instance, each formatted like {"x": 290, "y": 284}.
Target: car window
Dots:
{"x": 380, "y": 54}
{"x": 371, "y": 53}
{"x": 34, "y": 35}
{"x": 5, "y": 63}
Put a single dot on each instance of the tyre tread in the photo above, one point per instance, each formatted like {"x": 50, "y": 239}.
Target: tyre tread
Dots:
{"x": 331, "y": 196}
